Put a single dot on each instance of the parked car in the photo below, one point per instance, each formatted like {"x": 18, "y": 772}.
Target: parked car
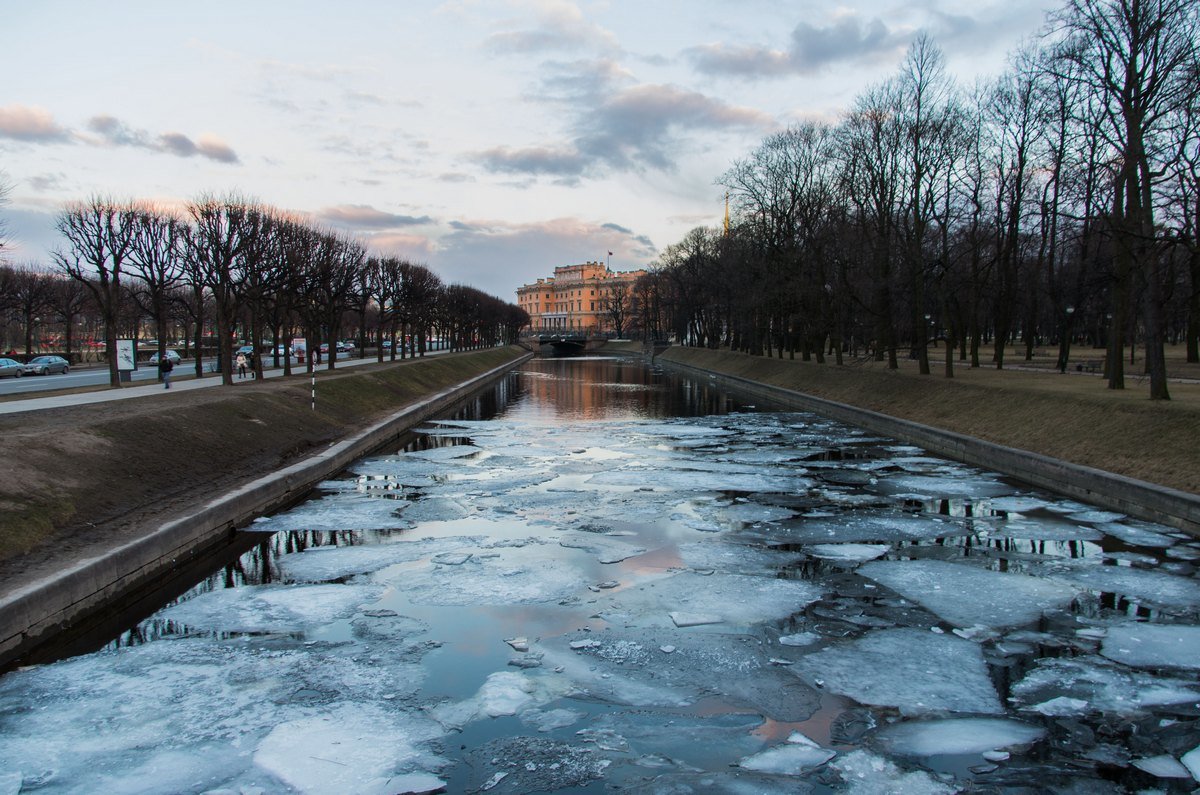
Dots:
{"x": 172, "y": 357}
{"x": 11, "y": 367}
{"x": 44, "y": 365}
{"x": 245, "y": 350}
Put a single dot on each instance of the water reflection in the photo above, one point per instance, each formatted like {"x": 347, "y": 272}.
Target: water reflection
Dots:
{"x": 577, "y": 590}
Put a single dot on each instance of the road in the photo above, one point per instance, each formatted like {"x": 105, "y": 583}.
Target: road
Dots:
{"x": 145, "y": 382}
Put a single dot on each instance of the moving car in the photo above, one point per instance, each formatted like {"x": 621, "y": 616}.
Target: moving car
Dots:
{"x": 11, "y": 367}
{"x": 172, "y": 357}
{"x": 44, "y": 365}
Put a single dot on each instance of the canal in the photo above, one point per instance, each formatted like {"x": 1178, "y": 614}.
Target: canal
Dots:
{"x": 601, "y": 576}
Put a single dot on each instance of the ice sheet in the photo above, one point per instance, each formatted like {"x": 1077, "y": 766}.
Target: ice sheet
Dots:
{"x": 965, "y": 595}
{"x": 915, "y": 670}
{"x": 505, "y": 576}
{"x": 324, "y": 564}
{"x": 607, "y": 549}
{"x": 347, "y": 511}
{"x": 792, "y": 758}
{"x": 957, "y": 736}
{"x": 1099, "y": 685}
{"x": 737, "y": 599}
{"x": 862, "y": 526}
{"x": 633, "y": 666}
{"x": 202, "y": 704}
{"x": 1154, "y": 587}
{"x": 502, "y": 693}
{"x": 1154, "y": 645}
{"x": 849, "y": 553}
{"x": 270, "y": 608}
{"x": 351, "y": 748}
{"x": 734, "y": 558}
{"x": 865, "y": 773}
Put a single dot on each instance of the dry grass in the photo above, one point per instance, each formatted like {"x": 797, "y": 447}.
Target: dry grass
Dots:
{"x": 77, "y": 477}
{"x": 1073, "y": 417}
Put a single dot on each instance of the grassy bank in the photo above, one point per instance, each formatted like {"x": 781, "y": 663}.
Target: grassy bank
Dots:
{"x": 1071, "y": 416}
{"x": 79, "y": 477}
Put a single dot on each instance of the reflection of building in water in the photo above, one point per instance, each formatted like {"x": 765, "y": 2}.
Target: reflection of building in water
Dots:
{"x": 605, "y": 388}
{"x": 585, "y": 299}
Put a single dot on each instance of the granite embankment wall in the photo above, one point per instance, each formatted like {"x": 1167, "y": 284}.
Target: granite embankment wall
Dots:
{"x": 32, "y": 615}
{"x": 1115, "y": 492}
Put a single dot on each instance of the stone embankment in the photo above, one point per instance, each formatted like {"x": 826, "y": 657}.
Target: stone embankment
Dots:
{"x": 1117, "y": 451}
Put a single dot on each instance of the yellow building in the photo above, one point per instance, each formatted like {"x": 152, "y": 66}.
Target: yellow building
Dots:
{"x": 579, "y": 299}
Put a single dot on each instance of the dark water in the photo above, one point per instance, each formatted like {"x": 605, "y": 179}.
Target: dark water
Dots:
{"x": 601, "y": 576}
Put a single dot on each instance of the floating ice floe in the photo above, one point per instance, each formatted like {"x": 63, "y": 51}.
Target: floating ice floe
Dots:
{"x": 734, "y": 598}
{"x": 1137, "y": 535}
{"x": 799, "y": 639}
{"x": 792, "y": 758}
{"x": 507, "y": 576}
{"x": 446, "y": 453}
{"x": 347, "y": 511}
{"x": 607, "y": 549}
{"x": 502, "y": 693}
{"x": 692, "y": 481}
{"x": 1044, "y": 529}
{"x": 751, "y": 512}
{"x": 202, "y": 704}
{"x": 323, "y": 564}
{"x": 1077, "y": 685}
{"x": 631, "y": 666}
{"x": 1155, "y": 587}
{"x": 849, "y": 553}
{"x": 957, "y": 736}
{"x": 734, "y": 558}
{"x": 857, "y": 527}
{"x": 270, "y": 608}
{"x": 865, "y": 773}
{"x": 1154, "y": 645}
{"x": 1162, "y": 766}
{"x": 967, "y": 484}
{"x": 1016, "y": 503}
{"x": 966, "y": 595}
{"x": 352, "y": 748}
{"x": 912, "y": 669}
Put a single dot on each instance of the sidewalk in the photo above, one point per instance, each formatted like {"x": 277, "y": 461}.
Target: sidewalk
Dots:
{"x": 104, "y": 394}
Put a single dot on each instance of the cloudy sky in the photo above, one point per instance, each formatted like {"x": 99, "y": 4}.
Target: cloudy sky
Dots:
{"x": 489, "y": 140}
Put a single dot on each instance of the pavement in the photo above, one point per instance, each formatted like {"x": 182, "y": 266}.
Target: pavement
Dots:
{"x": 105, "y": 393}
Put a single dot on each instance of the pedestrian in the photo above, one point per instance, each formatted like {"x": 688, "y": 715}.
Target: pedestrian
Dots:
{"x": 241, "y": 364}
{"x": 165, "y": 366}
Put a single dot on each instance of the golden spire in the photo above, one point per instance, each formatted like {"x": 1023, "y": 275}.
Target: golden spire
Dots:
{"x": 726, "y": 212}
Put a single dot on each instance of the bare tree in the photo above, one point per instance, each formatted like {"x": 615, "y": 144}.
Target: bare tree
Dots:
{"x": 5, "y": 193}
{"x": 222, "y": 229}
{"x": 31, "y": 293}
{"x": 1139, "y": 58}
{"x": 156, "y": 260}
{"x": 99, "y": 237}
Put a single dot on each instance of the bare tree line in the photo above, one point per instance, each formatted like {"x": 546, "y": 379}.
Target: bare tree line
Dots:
{"x": 1060, "y": 201}
{"x": 230, "y": 268}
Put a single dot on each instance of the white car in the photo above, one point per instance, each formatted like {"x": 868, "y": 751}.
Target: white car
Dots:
{"x": 172, "y": 356}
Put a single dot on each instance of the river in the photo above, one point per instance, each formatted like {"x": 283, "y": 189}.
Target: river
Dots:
{"x": 600, "y": 576}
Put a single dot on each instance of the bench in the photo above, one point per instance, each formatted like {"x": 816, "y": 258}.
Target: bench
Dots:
{"x": 1090, "y": 366}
